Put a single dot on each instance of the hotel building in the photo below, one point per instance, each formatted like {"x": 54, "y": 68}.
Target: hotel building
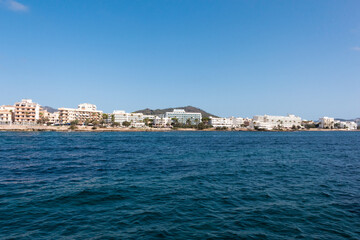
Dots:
{"x": 270, "y": 122}
{"x": 183, "y": 116}
{"x": 26, "y": 112}
{"x": 135, "y": 119}
{"x": 85, "y": 111}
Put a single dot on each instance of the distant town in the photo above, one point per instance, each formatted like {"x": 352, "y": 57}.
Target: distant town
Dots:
{"x": 86, "y": 116}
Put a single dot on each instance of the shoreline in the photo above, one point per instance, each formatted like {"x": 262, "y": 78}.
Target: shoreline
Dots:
{"x": 24, "y": 128}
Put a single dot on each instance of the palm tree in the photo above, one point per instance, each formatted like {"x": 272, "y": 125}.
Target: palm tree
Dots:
{"x": 188, "y": 121}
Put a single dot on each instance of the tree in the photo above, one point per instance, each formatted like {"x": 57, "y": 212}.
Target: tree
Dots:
{"x": 146, "y": 121}
{"x": 42, "y": 120}
{"x": 87, "y": 122}
{"x": 74, "y": 123}
{"x": 175, "y": 120}
{"x": 112, "y": 118}
{"x": 105, "y": 116}
{"x": 73, "y": 127}
{"x": 201, "y": 126}
{"x": 126, "y": 124}
{"x": 115, "y": 124}
{"x": 188, "y": 122}
{"x": 205, "y": 120}
{"x": 95, "y": 122}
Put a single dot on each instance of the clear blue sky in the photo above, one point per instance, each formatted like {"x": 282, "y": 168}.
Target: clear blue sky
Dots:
{"x": 230, "y": 58}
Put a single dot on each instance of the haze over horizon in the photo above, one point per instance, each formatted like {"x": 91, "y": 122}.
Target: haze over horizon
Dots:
{"x": 229, "y": 58}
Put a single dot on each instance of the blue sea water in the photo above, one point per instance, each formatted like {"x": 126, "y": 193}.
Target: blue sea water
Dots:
{"x": 180, "y": 185}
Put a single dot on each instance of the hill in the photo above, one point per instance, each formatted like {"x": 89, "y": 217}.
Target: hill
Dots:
{"x": 148, "y": 111}
{"x": 350, "y": 120}
{"x": 49, "y": 109}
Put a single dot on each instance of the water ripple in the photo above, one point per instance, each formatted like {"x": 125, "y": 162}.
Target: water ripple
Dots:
{"x": 180, "y": 185}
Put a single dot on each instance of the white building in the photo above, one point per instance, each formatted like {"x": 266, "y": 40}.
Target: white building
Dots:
{"x": 231, "y": 122}
{"x": 159, "y": 122}
{"x": 84, "y": 112}
{"x": 7, "y": 114}
{"x": 150, "y": 117}
{"x": 357, "y": 122}
{"x": 326, "y": 122}
{"x": 270, "y": 122}
{"x": 183, "y": 116}
{"x": 135, "y": 119}
{"x": 86, "y": 107}
{"x": 346, "y": 125}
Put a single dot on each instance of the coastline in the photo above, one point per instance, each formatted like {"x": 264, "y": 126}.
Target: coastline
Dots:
{"x": 25, "y": 128}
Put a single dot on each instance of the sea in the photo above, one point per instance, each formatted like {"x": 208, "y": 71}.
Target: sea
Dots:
{"x": 180, "y": 185}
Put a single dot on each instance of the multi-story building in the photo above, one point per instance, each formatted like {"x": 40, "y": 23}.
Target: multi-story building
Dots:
{"x": 135, "y": 119}
{"x": 7, "y": 114}
{"x": 26, "y": 112}
{"x": 160, "y": 122}
{"x": 326, "y": 122}
{"x": 84, "y": 112}
{"x": 183, "y": 116}
{"x": 270, "y": 122}
{"x": 54, "y": 118}
{"x": 349, "y": 125}
{"x": 231, "y": 122}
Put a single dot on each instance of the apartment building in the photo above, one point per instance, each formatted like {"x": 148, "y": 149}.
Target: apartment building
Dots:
{"x": 135, "y": 119}
{"x": 26, "y": 112}
{"x": 54, "y": 117}
{"x": 183, "y": 116}
{"x": 85, "y": 111}
{"x": 326, "y": 122}
{"x": 270, "y": 122}
{"x": 7, "y": 114}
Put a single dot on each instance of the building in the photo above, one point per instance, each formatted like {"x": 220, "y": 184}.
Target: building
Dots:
{"x": 84, "y": 112}
{"x": 159, "y": 122}
{"x": 135, "y": 119}
{"x": 7, "y": 114}
{"x": 231, "y": 122}
{"x": 308, "y": 124}
{"x": 357, "y": 122}
{"x": 183, "y": 117}
{"x": 268, "y": 122}
{"x": 150, "y": 117}
{"x": 346, "y": 125}
{"x": 326, "y": 122}
{"x": 27, "y": 112}
{"x": 54, "y": 118}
